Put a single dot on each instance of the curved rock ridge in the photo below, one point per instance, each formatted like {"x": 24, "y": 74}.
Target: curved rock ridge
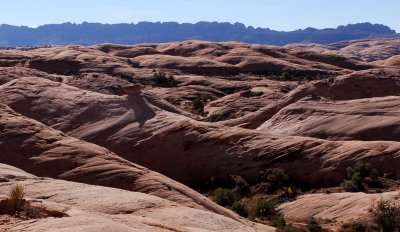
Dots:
{"x": 83, "y": 207}
{"x": 230, "y": 58}
{"x": 364, "y": 50}
{"x": 68, "y": 60}
{"x": 357, "y": 85}
{"x": 392, "y": 61}
{"x": 195, "y": 57}
{"x": 41, "y": 150}
{"x": 335, "y": 208}
{"x": 362, "y": 119}
{"x": 196, "y": 152}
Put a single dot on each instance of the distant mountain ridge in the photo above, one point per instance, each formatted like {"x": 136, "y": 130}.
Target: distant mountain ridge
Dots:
{"x": 147, "y": 32}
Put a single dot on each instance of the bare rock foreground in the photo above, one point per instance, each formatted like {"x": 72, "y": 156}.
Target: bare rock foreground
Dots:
{"x": 79, "y": 207}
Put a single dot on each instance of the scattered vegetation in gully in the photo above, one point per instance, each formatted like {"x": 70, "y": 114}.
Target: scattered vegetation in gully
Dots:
{"x": 296, "y": 76}
{"x": 384, "y": 217}
{"x": 198, "y": 105}
{"x": 133, "y": 63}
{"x": 363, "y": 177}
{"x": 128, "y": 78}
{"x": 259, "y": 202}
{"x": 159, "y": 79}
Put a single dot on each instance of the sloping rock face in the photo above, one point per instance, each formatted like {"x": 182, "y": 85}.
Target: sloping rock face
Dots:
{"x": 83, "y": 207}
{"x": 361, "y": 84}
{"x": 365, "y": 119}
{"x": 392, "y": 61}
{"x": 32, "y": 146}
{"x": 196, "y": 57}
{"x": 335, "y": 208}
{"x": 230, "y": 58}
{"x": 140, "y": 132}
{"x": 363, "y": 50}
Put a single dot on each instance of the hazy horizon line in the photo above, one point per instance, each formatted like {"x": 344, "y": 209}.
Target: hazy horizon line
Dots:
{"x": 232, "y": 23}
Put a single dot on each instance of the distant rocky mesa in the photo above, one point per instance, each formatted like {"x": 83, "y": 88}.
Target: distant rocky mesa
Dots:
{"x": 147, "y": 32}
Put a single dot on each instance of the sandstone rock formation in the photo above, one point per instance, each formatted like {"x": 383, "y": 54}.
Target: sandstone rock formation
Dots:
{"x": 73, "y": 206}
{"x": 336, "y": 208}
{"x": 44, "y": 151}
{"x": 95, "y": 115}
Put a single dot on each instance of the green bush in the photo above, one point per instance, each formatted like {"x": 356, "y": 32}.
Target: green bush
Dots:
{"x": 160, "y": 79}
{"x": 265, "y": 209}
{"x": 288, "y": 228}
{"x": 240, "y": 209}
{"x": 349, "y": 186}
{"x": 289, "y": 193}
{"x": 277, "y": 178}
{"x": 226, "y": 197}
{"x": 278, "y": 221}
{"x": 387, "y": 216}
{"x": 360, "y": 175}
{"x": 313, "y": 226}
{"x": 198, "y": 105}
{"x": 358, "y": 226}
{"x": 133, "y": 63}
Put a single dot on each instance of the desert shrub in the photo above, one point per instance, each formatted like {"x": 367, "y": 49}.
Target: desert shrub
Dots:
{"x": 313, "y": 225}
{"x": 133, "y": 63}
{"x": 349, "y": 186}
{"x": 265, "y": 209}
{"x": 16, "y": 198}
{"x": 359, "y": 175}
{"x": 67, "y": 72}
{"x": 126, "y": 77}
{"x": 241, "y": 185}
{"x": 161, "y": 80}
{"x": 240, "y": 209}
{"x": 358, "y": 226}
{"x": 288, "y": 194}
{"x": 285, "y": 76}
{"x": 277, "y": 178}
{"x": 226, "y": 197}
{"x": 278, "y": 221}
{"x": 387, "y": 216}
{"x": 288, "y": 228}
{"x": 220, "y": 117}
{"x": 58, "y": 79}
{"x": 31, "y": 212}
{"x": 198, "y": 105}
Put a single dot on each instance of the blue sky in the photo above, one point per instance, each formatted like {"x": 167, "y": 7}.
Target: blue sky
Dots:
{"x": 275, "y": 14}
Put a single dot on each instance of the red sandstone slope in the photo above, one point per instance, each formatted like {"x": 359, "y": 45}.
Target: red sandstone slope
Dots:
{"x": 358, "y": 85}
{"x": 43, "y": 151}
{"x": 71, "y": 206}
{"x": 363, "y": 50}
{"x": 196, "y": 152}
{"x": 364, "y": 119}
{"x": 230, "y": 57}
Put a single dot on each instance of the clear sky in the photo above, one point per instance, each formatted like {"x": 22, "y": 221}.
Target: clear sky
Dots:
{"x": 276, "y": 14}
